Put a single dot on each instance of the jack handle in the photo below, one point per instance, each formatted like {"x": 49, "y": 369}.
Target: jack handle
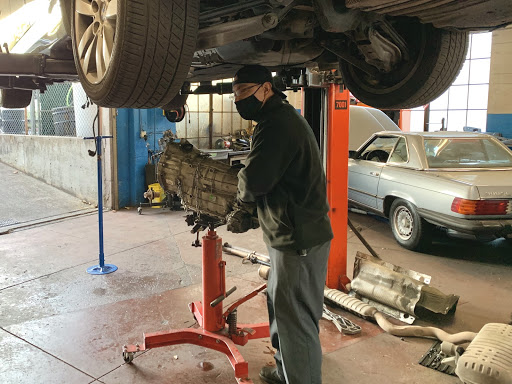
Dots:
{"x": 219, "y": 299}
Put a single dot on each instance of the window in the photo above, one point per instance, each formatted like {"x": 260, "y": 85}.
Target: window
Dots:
{"x": 470, "y": 152}
{"x": 379, "y": 149}
{"x": 464, "y": 104}
{"x": 400, "y": 154}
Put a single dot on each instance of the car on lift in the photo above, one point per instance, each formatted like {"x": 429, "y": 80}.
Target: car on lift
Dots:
{"x": 458, "y": 181}
{"x": 143, "y": 54}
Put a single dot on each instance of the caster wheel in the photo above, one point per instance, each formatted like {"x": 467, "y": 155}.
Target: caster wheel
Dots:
{"x": 128, "y": 357}
{"x": 139, "y": 210}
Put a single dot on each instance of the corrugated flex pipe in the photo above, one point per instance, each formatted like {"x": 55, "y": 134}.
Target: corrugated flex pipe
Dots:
{"x": 360, "y": 308}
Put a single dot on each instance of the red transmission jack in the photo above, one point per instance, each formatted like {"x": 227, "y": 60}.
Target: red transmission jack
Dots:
{"x": 218, "y": 330}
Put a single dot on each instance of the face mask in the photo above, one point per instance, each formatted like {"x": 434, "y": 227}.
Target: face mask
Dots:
{"x": 249, "y": 107}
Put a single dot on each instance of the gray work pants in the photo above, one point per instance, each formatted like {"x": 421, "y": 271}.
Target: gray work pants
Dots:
{"x": 295, "y": 305}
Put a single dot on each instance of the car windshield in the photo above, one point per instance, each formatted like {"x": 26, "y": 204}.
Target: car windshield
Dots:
{"x": 473, "y": 152}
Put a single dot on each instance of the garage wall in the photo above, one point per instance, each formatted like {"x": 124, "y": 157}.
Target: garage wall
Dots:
{"x": 62, "y": 162}
{"x": 499, "y": 118}
{"x": 137, "y": 135}
{"x": 217, "y": 113}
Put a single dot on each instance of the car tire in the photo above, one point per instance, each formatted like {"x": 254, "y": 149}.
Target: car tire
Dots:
{"x": 179, "y": 100}
{"x": 437, "y": 56}
{"x": 15, "y": 98}
{"x": 409, "y": 229}
{"x": 134, "y": 53}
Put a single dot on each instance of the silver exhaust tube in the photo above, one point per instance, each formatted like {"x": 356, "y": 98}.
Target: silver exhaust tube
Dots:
{"x": 366, "y": 311}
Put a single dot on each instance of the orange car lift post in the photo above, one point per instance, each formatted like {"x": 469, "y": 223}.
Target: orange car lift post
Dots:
{"x": 218, "y": 329}
{"x": 338, "y": 103}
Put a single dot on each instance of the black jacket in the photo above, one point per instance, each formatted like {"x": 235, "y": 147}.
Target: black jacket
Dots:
{"x": 285, "y": 177}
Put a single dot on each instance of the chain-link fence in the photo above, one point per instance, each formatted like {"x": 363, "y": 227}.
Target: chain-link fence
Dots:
{"x": 62, "y": 110}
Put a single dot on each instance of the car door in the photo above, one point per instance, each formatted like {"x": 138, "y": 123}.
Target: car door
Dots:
{"x": 365, "y": 168}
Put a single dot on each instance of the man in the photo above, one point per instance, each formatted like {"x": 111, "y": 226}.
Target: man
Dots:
{"x": 284, "y": 177}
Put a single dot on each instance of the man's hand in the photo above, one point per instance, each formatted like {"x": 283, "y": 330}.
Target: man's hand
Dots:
{"x": 242, "y": 218}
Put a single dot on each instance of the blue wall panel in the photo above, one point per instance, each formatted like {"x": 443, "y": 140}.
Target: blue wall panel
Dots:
{"x": 132, "y": 150}
{"x": 500, "y": 123}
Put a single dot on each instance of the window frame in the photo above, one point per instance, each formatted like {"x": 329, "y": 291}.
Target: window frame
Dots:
{"x": 371, "y": 141}
{"x": 394, "y": 149}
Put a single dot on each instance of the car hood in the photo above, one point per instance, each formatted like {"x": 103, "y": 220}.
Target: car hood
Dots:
{"x": 490, "y": 184}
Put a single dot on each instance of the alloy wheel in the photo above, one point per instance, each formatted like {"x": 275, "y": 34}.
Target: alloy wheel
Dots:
{"x": 95, "y": 26}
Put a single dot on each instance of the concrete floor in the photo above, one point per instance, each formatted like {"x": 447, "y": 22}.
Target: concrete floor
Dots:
{"x": 25, "y": 200}
{"x": 60, "y": 325}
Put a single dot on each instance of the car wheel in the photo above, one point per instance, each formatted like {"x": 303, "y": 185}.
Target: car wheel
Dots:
{"x": 435, "y": 58}
{"x": 15, "y": 98}
{"x": 133, "y": 53}
{"x": 410, "y": 230}
{"x": 179, "y": 100}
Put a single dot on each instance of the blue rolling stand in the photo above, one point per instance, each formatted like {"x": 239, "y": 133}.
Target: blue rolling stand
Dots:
{"x": 101, "y": 268}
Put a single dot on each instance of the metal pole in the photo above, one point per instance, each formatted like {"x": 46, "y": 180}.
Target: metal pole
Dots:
{"x": 102, "y": 268}
{"x": 100, "y": 202}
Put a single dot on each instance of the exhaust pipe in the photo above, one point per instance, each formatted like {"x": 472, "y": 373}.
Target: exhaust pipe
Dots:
{"x": 366, "y": 311}
{"x": 252, "y": 256}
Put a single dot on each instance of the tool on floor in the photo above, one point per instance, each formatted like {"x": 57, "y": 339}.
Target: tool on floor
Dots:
{"x": 343, "y": 324}
{"x": 434, "y": 359}
{"x": 218, "y": 329}
{"x": 101, "y": 268}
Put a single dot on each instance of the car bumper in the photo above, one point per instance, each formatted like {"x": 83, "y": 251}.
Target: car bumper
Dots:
{"x": 497, "y": 228}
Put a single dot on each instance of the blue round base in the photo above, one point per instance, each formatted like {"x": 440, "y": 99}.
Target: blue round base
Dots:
{"x": 97, "y": 270}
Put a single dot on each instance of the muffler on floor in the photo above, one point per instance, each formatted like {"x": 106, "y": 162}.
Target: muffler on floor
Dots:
{"x": 397, "y": 291}
{"x": 488, "y": 359}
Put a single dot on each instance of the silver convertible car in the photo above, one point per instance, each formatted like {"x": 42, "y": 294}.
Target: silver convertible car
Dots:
{"x": 454, "y": 180}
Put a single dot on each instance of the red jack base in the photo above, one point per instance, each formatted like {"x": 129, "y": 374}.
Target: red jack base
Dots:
{"x": 219, "y": 330}
{"x": 198, "y": 337}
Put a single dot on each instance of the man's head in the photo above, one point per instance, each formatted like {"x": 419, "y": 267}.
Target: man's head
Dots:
{"x": 252, "y": 87}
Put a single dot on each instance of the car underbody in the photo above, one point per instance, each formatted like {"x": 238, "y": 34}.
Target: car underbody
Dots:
{"x": 390, "y": 54}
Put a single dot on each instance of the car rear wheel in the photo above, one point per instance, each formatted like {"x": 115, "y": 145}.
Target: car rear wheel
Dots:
{"x": 410, "y": 230}
{"x": 15, "y": 98}
{"x": 435, "y": 58}
{"x": 133, "y": 53}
